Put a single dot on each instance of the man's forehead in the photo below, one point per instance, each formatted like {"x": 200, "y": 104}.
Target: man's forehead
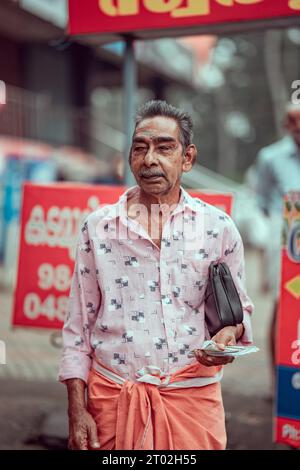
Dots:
{"x": 145, "y": 136}
{"x": 157, "y": 126}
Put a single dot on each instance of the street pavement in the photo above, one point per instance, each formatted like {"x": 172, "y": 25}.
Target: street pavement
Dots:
{"x": 33, "y": 405}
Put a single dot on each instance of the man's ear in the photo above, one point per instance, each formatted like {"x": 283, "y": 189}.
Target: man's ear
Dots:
{"x": 189, "y": 158}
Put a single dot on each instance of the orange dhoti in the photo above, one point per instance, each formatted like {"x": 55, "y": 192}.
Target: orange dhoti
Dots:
{"x": 140, "y": 415}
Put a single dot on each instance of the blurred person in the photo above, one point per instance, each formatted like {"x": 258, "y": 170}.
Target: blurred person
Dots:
{"x": 277, "y": 172}
{"x": 137, "y": 306}
{"x": 253, "y": 224}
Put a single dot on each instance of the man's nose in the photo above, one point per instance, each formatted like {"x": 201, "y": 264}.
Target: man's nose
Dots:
{"x": 150, "y": 157}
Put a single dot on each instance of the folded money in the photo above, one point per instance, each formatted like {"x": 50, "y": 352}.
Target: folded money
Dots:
{"x": 212, "y": 349}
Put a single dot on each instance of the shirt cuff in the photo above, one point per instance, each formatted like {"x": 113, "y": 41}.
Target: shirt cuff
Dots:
{"x": 247, "y": 337}
{"x": 74, "y": 365}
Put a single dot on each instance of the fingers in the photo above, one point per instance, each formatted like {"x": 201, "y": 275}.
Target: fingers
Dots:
{"x": 83, "y": 432}
{"x": 225, "y": 337}
{"x": 209, "y": 361}
{"x": 204, "y": 359}
{"x": 81, "y": 442}
{"x": 230, "y": 359}
{"x": 78, "y": 441}
{"x": 76, "y": 444}
{"x": 93, "y": 436}
{"x": 218, "y": 343}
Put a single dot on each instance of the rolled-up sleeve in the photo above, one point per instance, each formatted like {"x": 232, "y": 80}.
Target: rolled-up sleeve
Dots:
{"x": 84, "y": 304}
{"x": 233, "y": 255}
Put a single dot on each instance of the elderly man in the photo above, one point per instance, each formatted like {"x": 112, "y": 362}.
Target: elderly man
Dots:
{"x": 137, "y": 305}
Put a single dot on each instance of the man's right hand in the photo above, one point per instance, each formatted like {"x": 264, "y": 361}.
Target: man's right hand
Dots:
{"x": 82, "y": 427}
{"x": 82, "y": 430}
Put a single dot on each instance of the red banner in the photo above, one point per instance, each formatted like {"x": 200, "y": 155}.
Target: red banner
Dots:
{"x": 117, "y": 16}
{"x": 288, "y": 352}
{"x": 51, "y": 219}
{"x": 221, "y": 201}
{"x": 287, "y": 422}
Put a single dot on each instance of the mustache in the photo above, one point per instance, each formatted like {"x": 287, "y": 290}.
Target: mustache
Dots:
{"x": 148, "y": 174}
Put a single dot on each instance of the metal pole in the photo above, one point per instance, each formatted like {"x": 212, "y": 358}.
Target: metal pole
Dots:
{"x": 130, "y": 91}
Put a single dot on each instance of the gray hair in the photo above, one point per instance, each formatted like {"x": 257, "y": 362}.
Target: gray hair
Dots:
{"x": 156, "y": 108}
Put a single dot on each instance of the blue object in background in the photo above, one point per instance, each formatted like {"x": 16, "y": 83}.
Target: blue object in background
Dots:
{"x": 41, "y": 171}
{"x": 288, "y": 392}
{"x": 117, "y": 47}
{"x": 17, "y": 170}
{"x": 14, "y": 176}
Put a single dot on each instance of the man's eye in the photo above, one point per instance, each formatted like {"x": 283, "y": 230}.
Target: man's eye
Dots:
{"x": 139, "y": 149}
{"x": 165, "y": 148}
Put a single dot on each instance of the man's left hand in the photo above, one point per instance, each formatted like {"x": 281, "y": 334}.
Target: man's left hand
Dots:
{"x": 225, "y": 337}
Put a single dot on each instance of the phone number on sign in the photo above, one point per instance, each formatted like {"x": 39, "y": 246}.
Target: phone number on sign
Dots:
{"x": 53, "y": 308}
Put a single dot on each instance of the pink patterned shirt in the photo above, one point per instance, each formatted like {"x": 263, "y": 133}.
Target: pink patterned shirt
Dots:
{"x": 134, "y": 305}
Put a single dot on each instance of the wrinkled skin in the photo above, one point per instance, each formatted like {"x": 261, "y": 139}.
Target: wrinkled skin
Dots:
{"x": 82, "y": 427}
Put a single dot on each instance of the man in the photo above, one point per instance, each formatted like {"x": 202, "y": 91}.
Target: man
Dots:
{"x": 277, "y": 172}
{"x": 137, "y": 305}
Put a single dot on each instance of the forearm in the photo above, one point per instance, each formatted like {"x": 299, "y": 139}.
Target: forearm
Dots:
{"x": 76, "y": 395}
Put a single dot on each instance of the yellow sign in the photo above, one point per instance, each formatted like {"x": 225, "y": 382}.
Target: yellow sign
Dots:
{"x": 293, "y": 287}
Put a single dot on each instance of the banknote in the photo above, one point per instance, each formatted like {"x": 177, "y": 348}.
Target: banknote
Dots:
{"x": 212, "y": 349}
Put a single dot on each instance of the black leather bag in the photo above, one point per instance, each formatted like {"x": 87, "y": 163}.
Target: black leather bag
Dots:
{"x": 223, "y": 305}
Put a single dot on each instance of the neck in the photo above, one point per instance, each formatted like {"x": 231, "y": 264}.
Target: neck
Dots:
{"x": 170, "y": 198}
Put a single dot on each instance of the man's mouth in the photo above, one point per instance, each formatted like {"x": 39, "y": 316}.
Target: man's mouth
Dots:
{"x": 152, "y": 176}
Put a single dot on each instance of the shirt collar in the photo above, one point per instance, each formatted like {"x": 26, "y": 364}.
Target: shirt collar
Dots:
{"x": 186, "y": 201}
{"x": 190, "y": 202}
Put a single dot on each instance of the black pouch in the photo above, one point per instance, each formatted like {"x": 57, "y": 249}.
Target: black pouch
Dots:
{"x": 223, "y": 305}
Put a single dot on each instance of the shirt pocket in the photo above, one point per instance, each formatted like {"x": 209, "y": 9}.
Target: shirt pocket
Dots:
{"x": 193, "y": 275}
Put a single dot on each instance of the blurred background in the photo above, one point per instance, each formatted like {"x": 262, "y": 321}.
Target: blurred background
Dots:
{"x": 61, "y": 119}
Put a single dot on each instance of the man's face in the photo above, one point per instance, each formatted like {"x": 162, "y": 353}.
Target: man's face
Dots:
{"x": 157, "y": 157}
{"x": 293, "y": 125}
